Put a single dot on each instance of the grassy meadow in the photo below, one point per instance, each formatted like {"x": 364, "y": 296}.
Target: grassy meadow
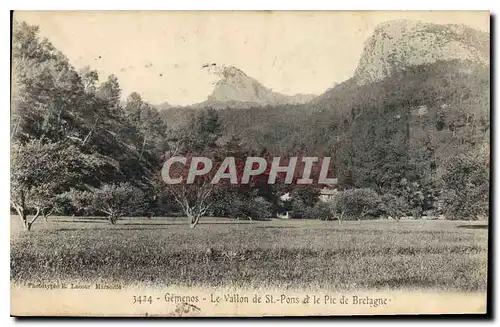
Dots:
{"x": 354, "y": 255}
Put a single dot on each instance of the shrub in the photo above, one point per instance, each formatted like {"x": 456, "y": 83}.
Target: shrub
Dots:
{"x": 393, "y": 206}
{"x": 357, "y": 203}
{"x": 224, "y": 204}
{"x": 420, "y": 196}
{"x": 322, "y": 210}
{"x": 254, "y": 208}
{"x": 236, "y": 205}
{"x": 299, "y": 209}
{"x": 259, "y": 208}
{"x": 308, "y": 196}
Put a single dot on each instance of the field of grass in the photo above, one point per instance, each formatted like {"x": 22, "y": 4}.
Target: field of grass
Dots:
{"x": 442, "y": 255}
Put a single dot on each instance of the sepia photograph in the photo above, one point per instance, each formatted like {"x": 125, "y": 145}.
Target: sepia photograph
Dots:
{"x": 249, "y": 163}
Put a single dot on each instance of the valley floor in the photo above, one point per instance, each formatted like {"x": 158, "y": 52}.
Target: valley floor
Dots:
{"x": 437, "y": 255}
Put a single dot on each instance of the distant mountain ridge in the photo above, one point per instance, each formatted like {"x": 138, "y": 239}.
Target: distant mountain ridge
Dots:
{"x": 394, "y": 46}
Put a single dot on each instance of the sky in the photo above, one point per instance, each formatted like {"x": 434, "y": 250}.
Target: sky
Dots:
{"x": 160, "y": 54}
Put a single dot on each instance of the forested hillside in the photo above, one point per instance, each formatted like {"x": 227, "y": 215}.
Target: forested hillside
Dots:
{"x": 418, "y": 140}
{"x": 408, "y": 126}
{"x": 70, "y": 133}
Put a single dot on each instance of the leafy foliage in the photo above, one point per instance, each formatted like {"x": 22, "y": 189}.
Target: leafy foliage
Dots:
{"x": 358, "y": 203}
{"x": 68, "y": 130}
{"x": 395, "y": 137}
{"x": 393, "y": 206}
{"x": 113, "y": 200}
{"x": 41, "y": 171}
{"x": 466, "y": 181}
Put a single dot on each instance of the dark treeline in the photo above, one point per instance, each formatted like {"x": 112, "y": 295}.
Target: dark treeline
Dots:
{"x": 415, "y": 142}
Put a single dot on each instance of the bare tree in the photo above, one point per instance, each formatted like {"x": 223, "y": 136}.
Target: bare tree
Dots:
{"x": 196, "y": 196}
{"x": 194, "y": 199}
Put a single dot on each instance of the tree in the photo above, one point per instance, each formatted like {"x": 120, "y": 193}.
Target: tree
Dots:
{"x": 196, "y": 197}
{"x": 54, "y": 104}
{"x": 357, "y": 203}
{"x": 117, "y": 200}
{"x": 89, "y": 79}
{"x": 257, "y": 208}
{"x": 114, "y": 200}
{"x": 134, "y": 105}
{"x": 299, "y": 209}
{"x": 40, "y": 171}
{"x": 46, "y": 89}
{"x": 308, "y": 195}
{"x": 152, "y": 129}
{"x": 322, "y": 210}
{"x": 199, "y": 139}
{"x": 224, "y": 203}
{"x": 466, "y": 181}
{"x": 110, "y": 92}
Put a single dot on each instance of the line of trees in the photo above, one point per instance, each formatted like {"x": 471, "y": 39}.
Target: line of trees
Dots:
{"x": 464, "y": 196}
{"x": 414, "y": 143}
{"x": 75, "y": 147}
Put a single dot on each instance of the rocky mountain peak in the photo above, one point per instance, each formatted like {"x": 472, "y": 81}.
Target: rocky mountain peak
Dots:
{"x": 235, "y": 87}
{"x": 397, "y": 44}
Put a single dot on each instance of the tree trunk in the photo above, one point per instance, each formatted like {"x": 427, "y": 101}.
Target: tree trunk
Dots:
{"x": 193, "y": 220}
{"x": 113, "y": 219}
{"x": 143, "y": 145}
{"x": 46, "y": 214}
{"x": 24, "y": 219}
{"x": 91, "y": 131}
{"x": 27, "y": 223}
{"x": 364, "y": 212}
{"x": 14, "y": 130}
{"x": 22, "y": 215}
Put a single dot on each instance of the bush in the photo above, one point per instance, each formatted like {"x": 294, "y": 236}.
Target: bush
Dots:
{"x": 322, "y": 210}
{"x": 224, "y": 204}
{"x": 259, "y": 208}
{"x": 419, "y": 196}
{"x": 236, "y": 205}
{"x": 299, "y": 209}
{"x": 393, "y": 206}
{"x": 357, "y": 203}
{"x": 255, "y": 208}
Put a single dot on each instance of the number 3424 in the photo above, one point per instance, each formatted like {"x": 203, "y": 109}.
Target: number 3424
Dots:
{"x": 140, "y": 299}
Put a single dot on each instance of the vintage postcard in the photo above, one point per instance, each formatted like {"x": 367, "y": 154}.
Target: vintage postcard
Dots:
{"x": 249, "y": 163}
